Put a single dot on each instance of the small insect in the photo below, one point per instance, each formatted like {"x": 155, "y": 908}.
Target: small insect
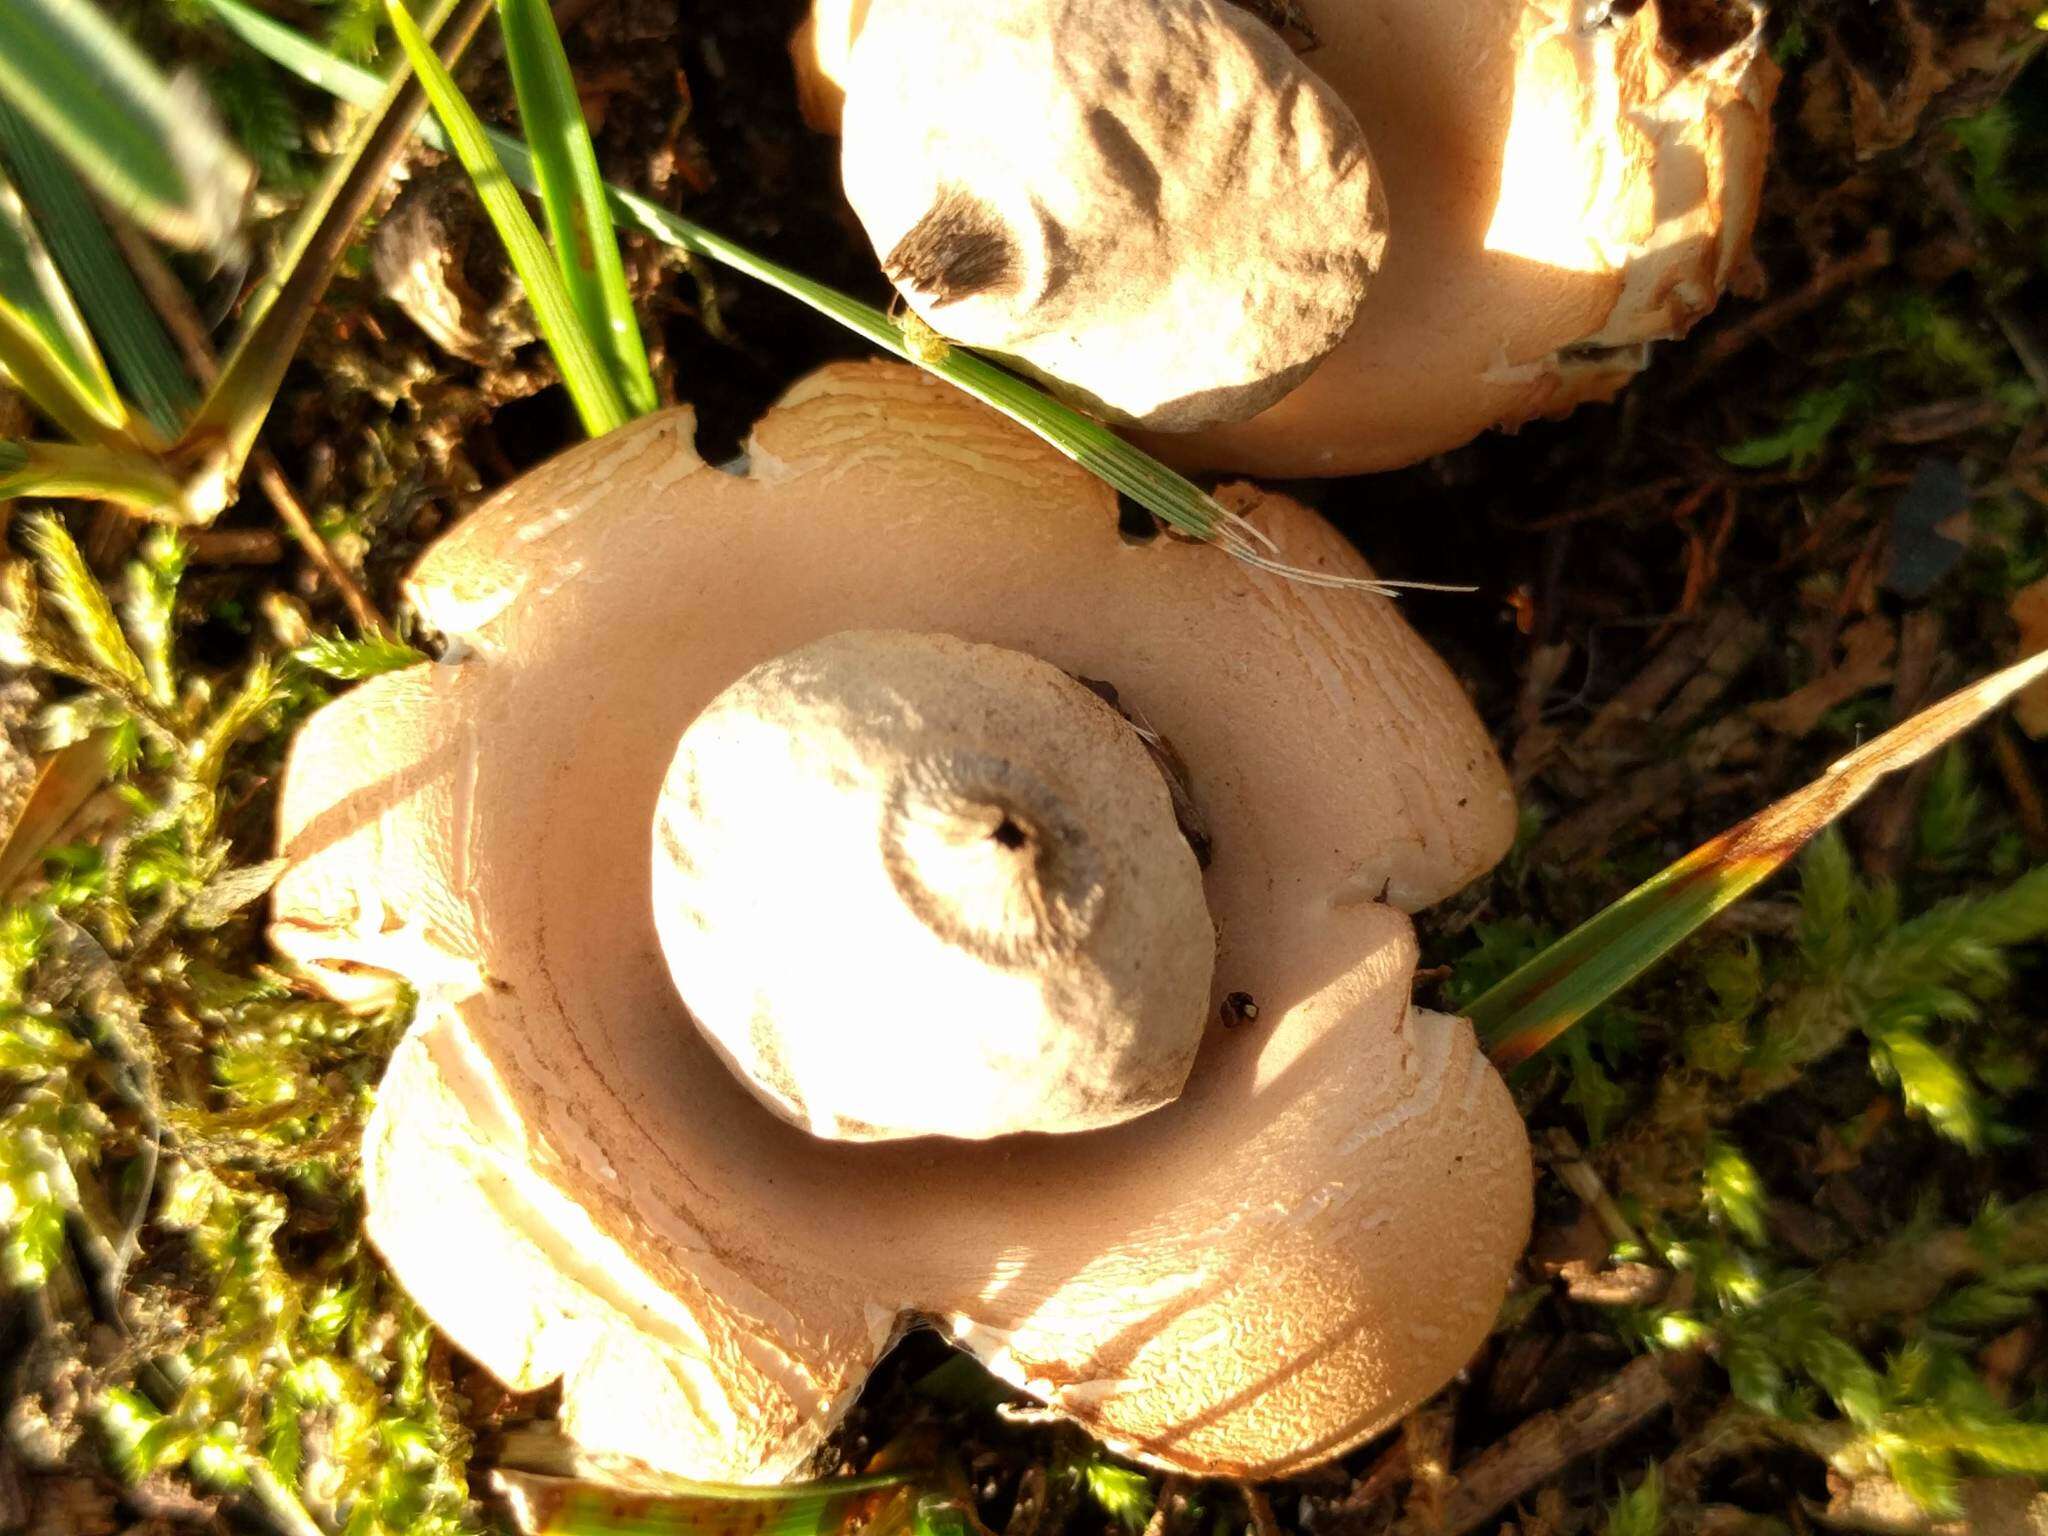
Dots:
{"x": 1238, "y": 1010}
{"x": 924, "y": 344}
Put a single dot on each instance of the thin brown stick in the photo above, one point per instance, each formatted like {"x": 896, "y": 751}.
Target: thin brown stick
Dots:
{"x": 1354, "y": 1511}
{"x": 167, "y": 296}
{"x": 1545, "y": 1445}
{"x": 182, "y": 320}
{"x": 1611, "y": 506}
{"x": 1255, "y": 1500}
{"x": 1171, "y": 1490}
{"x": 234, "y": 546}
{"x": 1580, "y": 1177}
{"x": 2019, "y": 783}
{"x": 292, "y": 513}
{"x": 2028, "y": 347}
{"x": 1875, "y": 255}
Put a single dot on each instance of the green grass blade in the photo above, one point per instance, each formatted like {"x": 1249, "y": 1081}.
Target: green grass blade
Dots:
{"x": 150, "y": 145}
{"x": 1529, "y": 1009}
{"x": 550, "y": 1506}
{"x": 589, "y": 382}
{"x": 940, "y": 1517}
{"x": 219, "y": 439}
{"x": 1172, "y": 497}
{"x": 379, "y": 98}
{"x": 123, "y": 476}
{"x": 122, "y": 319}
{"x": 44, "y": 345}
{"x": 572, "y": 194}
{"x": 300, "y": 55}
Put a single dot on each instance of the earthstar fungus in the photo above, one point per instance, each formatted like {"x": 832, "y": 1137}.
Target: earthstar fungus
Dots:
{"x": 1306, "y": 1241}
{"x": 1563, "y": 184}
{"x": 1568, "y": 182}
{"x": 1150, "y": 204}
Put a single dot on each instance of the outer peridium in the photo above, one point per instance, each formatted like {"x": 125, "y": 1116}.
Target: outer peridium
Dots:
{"x": 1560, "y": 195}
{"x": 1313, "y": 1238}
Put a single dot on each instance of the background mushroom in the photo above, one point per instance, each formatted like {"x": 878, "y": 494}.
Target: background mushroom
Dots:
{"x": 1150, "y": 203}
{"x": 1313, "y": 1236}
{"x": 1565, "y": 183}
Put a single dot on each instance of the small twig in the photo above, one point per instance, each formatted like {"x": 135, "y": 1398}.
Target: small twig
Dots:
{"x": 1888, "y": 819}
{"x": 1939, "y": 420}
{"x": 1353, "y": 1511}
{"x": 1545, "y": 1445}
{"x": 1261, "y": 1509}
{"x": 1732, "y": 1431}
{"x": 167, "y": 296}
{"x": 1426, "y": 1436}
{"x": 234, "y": 546}
{"x": 1166, "y": 1505}
{"x": 292, "y": 513}
{"x": 2019, "y": 783}
{"x": 2019, "y": 332}
{"x": 128, "y": 1246}
{"x": 1635, "y": 704}
{"x": 1027, "y": 1510}
{"x": 1875, "y": 255}
{"x": 1608, "y": 506}
{"x": 1579, "y": 1176}
{"x": 1621, "y": 1285}
{"x": 189, "y": 331}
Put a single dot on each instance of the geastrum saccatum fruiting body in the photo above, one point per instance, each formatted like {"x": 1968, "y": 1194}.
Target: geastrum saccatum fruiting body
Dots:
{"x": 1502, "y": 203}
{"x": 742, "y": 740}
{"x": 1150, "y": 204}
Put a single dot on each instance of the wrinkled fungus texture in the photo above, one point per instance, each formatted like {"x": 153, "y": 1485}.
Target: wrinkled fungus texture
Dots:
{"x": 1309, "y": 1240}
{"x": 1003, "y": 927}
{"x": 1150, "y": 204}
{"x": 1555, "y": 186}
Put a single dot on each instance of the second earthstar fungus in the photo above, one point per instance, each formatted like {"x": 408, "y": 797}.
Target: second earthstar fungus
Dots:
{"x": 1526, "y": 196}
